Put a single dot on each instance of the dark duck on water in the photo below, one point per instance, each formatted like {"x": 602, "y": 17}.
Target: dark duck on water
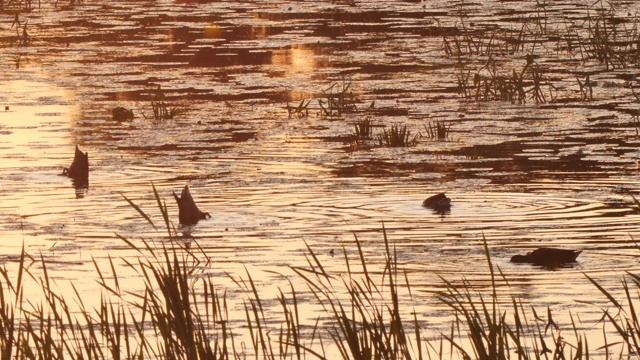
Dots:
{"x": 79, "y": 169}
{"x": 438, "y": 202}
{"x": 547, "y": 257}
{"x": 188, "y": 212}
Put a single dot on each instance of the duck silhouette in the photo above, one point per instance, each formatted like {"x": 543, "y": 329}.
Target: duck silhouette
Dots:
{"x": 121, "y": 114}
{"x": 79, "y": 169}
{"x": 548, "y": 257}
{"x": 188, "y": 212}
{"x": 438, "y": 202}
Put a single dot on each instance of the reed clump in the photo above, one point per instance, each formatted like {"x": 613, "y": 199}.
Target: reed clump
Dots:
{"x": 438, "y": 130}
{"x": 490, "y": 84}
{"x": 612, "y": 40}
{"x": 363, "y": 129}
{"x": 396, "y": 136}
{"x": 163, "y": 109}
{"x": 487, "y": 57}
{"x": 337, "y": 100}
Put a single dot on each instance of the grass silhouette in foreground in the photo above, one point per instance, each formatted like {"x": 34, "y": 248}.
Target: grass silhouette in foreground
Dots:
{"x": 178, "y": 313}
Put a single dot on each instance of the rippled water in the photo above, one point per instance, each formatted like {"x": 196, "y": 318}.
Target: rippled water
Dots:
{"x": 520, "y": 175}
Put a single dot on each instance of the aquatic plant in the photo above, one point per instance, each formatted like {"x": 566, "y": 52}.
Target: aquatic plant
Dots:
{"x": 438, "y": 130}
{"x": 396, "y": 136}
{"x": 469, "y": 42}
{"x": 635, "y": 120}
{"x": 369, "y": 323}
{"x": 611, "y": 40}
{"x": 489, "y": 84}
{"x": 363, "y": 129}
{"x": 337, "y": 99}
{"x": 24, "y": 39}
{"x": 586, "y": 88}
{"x": 163, "y": 110}
{"x": 624, "y": 319}
{"x": 465, "y": 89}
{"x": 301, "y": 111}
{"x": 539, "y": 85}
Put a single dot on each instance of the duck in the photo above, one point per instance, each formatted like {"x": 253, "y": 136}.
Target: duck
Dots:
{"x": 121, "y": 114}
{"x": 437, "y": 202}
{"x": 188, "y": 212}
{"x": 548, "y": 257}
{"x": 79, "y": 169}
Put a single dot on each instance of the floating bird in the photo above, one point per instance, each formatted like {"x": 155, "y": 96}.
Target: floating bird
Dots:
{"x": 188, "y": 211}
{"x": 79, "y": 169}
{"x": 548, "y": 257}
{"x": 121, "y": 114}
{"x": 438, "y": 202}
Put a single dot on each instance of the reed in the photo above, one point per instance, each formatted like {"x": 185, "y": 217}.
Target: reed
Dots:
{"x": 495, "y": 331}
{"x": 438, "y": 130}
{"x": 363, "y": 129}
{"x": 181, "y": 314}
{"x": 396, "y": 136}
{"x": 300, "y": 111}
{"x": 586, "y": 88}
{"x": 612, "y": 40}
{"x": 368, "y": 323}
{"x": 337, "y": 100}
{"x": 161, "y": 108}
{"x": 624, "y": 319}
{"x": 635, "y": 120}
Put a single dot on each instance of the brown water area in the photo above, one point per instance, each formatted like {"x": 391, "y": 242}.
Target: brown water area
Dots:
{"x": 539, "y": 144}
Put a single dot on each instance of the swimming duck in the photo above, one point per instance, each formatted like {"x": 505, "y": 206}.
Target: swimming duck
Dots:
{"x": 188, "y": 211}
{"x": 549, "y": 257}
{"x": 437, "y": 202}
{"x": 79, "y": 168}
{"x": 121, "y": 114}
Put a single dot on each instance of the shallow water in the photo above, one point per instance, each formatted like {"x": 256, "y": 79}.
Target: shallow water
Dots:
{"x": 558, "y": 173}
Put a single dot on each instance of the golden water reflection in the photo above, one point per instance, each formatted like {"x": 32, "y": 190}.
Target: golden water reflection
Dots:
{"x": 296, "y": 60}
{"x": 39, "y": 115}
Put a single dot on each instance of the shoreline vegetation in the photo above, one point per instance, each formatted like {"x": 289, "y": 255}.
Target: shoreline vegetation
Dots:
{"x": 180, "y": 315}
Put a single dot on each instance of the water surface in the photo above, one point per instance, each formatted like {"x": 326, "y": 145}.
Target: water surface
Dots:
{"x": 558, "y": 172}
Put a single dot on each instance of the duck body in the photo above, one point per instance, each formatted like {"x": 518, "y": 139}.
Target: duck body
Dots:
{"x": 79, "y": 169}
{"x": 121, "y": 114}
{"x": 188, "y": 212}
{"x": 548, "y": 257}
{"x": 437, "y": 202}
